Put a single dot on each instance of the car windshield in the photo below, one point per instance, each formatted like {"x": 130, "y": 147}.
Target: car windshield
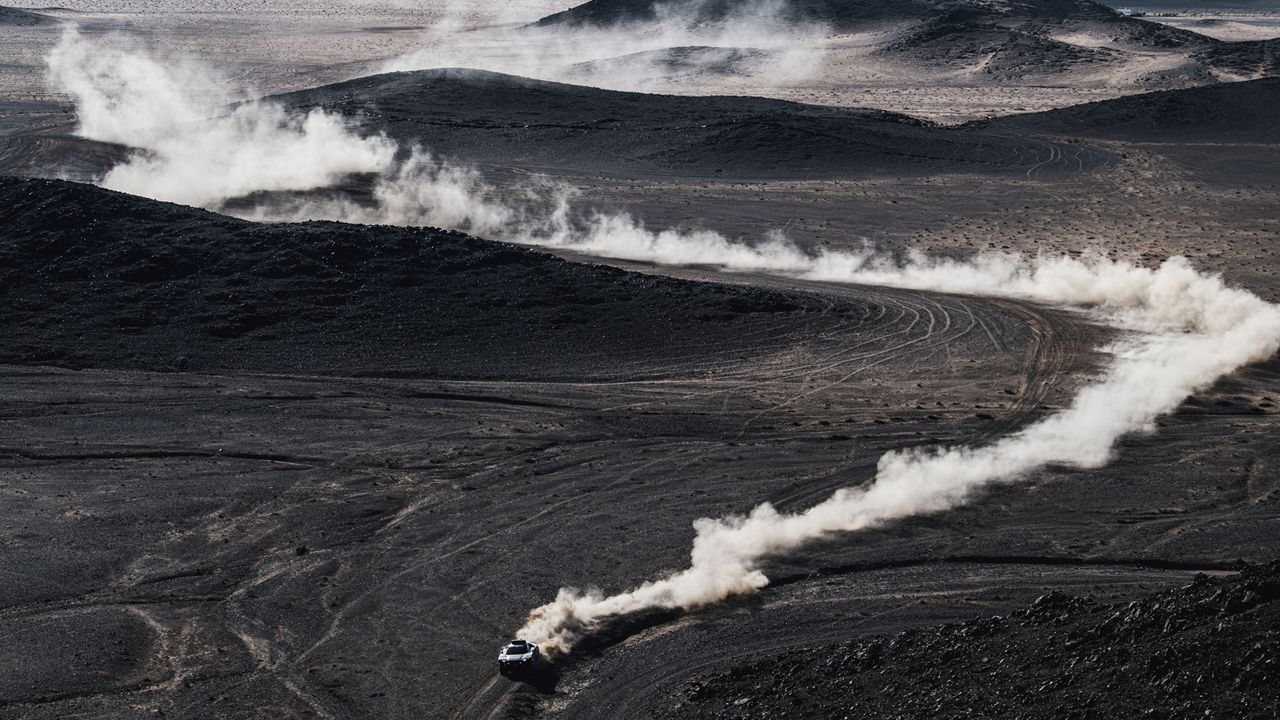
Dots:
{"x": 517, "y": 649}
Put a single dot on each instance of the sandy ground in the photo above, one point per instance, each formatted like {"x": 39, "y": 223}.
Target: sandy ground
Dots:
{"x": 1227, "y": 26}
{"x": 952, "y": 103}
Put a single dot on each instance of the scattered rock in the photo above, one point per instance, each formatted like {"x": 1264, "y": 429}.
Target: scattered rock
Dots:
{"x": 1209, "y": 649}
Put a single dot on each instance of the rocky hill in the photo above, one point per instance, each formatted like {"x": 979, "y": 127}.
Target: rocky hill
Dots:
{"x": 486, "y": 117}
{"x": 1228, "y": 112}
{"x": 93, "y": 278}
{"x": 1210, "y": 649}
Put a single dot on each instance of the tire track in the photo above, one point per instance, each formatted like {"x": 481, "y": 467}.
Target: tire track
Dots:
{"x": 1056, "y": 343}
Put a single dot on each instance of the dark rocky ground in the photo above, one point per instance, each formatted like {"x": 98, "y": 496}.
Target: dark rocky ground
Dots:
{"x": 312, "y": 515}
{"x": 1207, "y": 649}
{"x": 1005, "y": 53}
{"x": 1228, "y": 113}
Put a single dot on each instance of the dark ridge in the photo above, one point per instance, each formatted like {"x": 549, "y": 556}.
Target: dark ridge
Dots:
{"x": 838, "y": 14}
{"x": 93, "y": 278}
{"x": 1139, "y": 34}
{"x": 1004, "y": 53}
{"x": 1209, "y": 649}
{"x": 1000, "y": 47}
{"x": 62, "y": 156}
{"x": 1254, "y": 58}
{"x": 23, "y": 18}
{"x": 484, "y": 117}
{"x": 1216, "y": 6}
{"x": 463, "y": 92}
{"x": 691, "y": 61}
{"x": 1226, "y": 112}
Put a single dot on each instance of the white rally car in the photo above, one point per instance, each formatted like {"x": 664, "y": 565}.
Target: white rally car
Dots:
{"x": 519, "y": 655}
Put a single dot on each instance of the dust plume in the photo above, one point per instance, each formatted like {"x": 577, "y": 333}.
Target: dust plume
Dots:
{"x": 197, "y": 146}
{"x": 675, "y": 51}
{"x": 421, "y": 190}
{"x": 1194, "y": 330}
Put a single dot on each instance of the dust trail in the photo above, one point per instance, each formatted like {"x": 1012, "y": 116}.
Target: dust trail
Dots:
{"x": 197, "y": 147}
{"x": 1194, "y": 330}
{"x": 1187, "y": 328}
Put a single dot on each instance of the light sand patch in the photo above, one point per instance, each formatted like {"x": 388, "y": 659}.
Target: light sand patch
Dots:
{"x": 1232, "y": 28}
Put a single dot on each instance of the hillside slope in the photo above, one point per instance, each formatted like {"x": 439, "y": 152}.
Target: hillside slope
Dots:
{"x": 18, "y": 17}
{"x": 1210, "y": 649}
{"x": 1228, "y": 112}
{"x": 487, "y": 117}
{"x": 92, "y": 278}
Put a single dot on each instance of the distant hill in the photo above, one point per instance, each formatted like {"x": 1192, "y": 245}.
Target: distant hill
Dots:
{"x": 692, "y": 62}
{"x": 1256, "y": 57}
{"x": 1196, "y": 5}
{"x": 485, "y": 117}
{"x": 19, "y": 17}
{"x": 995, "y": 41}
{"x": 1001, "y": 52}
{"x": 839, "y": 14}
{"x": 1228, "y": 112}
{"x": 94, "y": 278}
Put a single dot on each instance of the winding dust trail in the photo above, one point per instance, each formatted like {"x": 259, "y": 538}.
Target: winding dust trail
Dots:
{"x": 1187, "y": 329}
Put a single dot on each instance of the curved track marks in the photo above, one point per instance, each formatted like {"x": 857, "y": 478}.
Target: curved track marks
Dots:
{"x": 56, "y": 155}
{"x": 647, "y": 670}
{"x": 358, "y": 547}
{"x": 1010, "y": 359}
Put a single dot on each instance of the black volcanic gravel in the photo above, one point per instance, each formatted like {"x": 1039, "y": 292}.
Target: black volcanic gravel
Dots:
{"x": 1207, "y": 650}
{"x": 1228, "y": 112}
{"x": 17, "y": 16}
{"x": 504, "y": 120}
{"x": 92, "y": 278}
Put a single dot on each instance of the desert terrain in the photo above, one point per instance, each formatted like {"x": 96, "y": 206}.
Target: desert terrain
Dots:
{"x": 283, "y": 438}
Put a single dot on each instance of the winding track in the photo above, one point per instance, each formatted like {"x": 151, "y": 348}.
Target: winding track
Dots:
{"x": 358, "y": 547}
{"x": 54, "y": 154}
{"x": 911, "y": 330}
{"x": 640, "y": 674}
{"x": 916, "y": 332}
{"x": 438, "y": 513}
